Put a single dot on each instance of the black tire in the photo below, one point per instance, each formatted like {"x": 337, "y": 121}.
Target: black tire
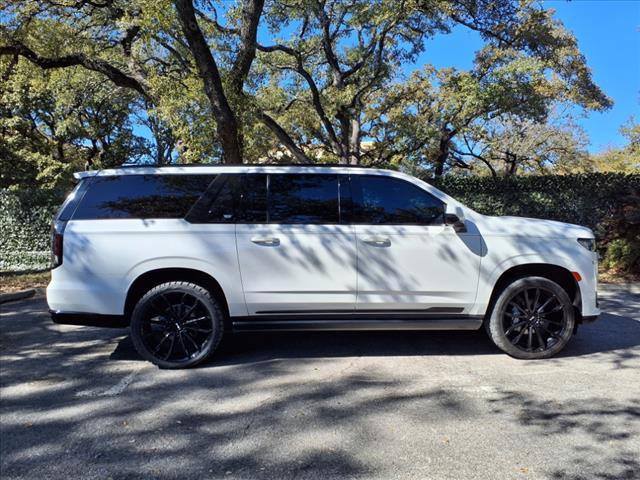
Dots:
{"x": 177, "y": 325}
{"x": 532, "y": 318}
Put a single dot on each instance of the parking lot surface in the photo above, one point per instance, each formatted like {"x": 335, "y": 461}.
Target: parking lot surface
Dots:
{"x": 78, "y": 402}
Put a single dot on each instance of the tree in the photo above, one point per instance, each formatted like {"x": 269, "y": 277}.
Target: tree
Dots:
{"x": 625, "y": 159}
{"x": 333, "y": 90}
{"x": 510, "y": 145}
{"x": 110, "y": 39}
{"x": 342, "y": 66}
{"x": 54, "y": 122}
{"x": 227, "y": 125}
{"x": 342, "y": 54}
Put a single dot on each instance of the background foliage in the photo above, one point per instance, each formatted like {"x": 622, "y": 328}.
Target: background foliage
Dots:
{"x": 25, "y": 222}
{"x": 90, "y": 84}
{"x": 608, "y": 203}
{"x": 94, "y": 83}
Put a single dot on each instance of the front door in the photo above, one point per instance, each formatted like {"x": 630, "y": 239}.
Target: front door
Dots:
{"x": 295, "y": 256}
{"x": 408, "y": 259}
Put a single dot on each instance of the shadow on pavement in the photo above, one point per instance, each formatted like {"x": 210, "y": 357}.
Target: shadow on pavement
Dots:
{"x": 68, "y": 411}
{"x": 254, "y": 347}
{"x": 609, "y": 333}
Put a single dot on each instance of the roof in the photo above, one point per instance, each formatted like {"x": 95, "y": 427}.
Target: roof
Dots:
{"x": 227, "y": 168}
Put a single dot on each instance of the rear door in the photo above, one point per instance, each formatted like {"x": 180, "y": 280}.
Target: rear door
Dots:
{"x": 408, "y": 259}
{"x": 295, "y": 255}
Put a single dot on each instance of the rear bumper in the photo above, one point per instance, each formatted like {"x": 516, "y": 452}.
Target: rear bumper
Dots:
{"x": 67, "y": 292}
{"x": 88, "y": 319}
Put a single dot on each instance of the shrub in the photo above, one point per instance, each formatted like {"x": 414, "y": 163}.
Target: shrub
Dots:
{"x": 25, "y": 223}
{"x": 608, "y": 203}
{"x": 623, "y": 255}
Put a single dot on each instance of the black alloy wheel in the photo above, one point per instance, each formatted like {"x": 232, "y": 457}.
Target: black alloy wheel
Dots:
{"x": 533, "y": 318}
{"x": 176, "y": 325}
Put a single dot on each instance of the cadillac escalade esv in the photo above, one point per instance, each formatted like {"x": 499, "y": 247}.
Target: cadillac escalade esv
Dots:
{"x": 184, "y": 255}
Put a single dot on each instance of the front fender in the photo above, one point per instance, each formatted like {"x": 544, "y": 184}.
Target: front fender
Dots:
{"x": 490, "y": 274}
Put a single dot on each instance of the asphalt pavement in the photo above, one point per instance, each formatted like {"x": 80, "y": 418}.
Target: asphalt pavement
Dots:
{"x": 78, "y": 402}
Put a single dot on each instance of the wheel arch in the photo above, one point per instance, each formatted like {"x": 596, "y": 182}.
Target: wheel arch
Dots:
{"x": 556, "y": 273}
{"x": 151, "y": 278}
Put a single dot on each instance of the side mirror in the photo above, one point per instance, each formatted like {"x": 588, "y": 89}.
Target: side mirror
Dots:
{"x": 455, "y": 218}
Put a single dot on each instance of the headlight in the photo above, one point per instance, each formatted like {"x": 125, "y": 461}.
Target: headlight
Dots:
{"x": 588, "y": 243}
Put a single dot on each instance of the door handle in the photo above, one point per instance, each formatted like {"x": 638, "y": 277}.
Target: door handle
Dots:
{"x": 266, "y": 241}
{"x": 377, "y": 241}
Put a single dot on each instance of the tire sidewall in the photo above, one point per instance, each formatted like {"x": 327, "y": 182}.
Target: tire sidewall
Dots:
{"x": 140, "y": 310}
{"x": 495, "y": 324}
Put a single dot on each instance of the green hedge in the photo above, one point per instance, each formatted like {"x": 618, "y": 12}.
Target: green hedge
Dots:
{"x": 25, "y": 223}
{"x": 607, "y": 203}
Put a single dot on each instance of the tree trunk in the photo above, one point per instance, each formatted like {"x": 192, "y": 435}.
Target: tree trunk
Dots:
{"x": 354, "y": 141}
{"x": 443, "y": 151}
{"x": 512, "y": 164}
{"x": 226, "y": 122}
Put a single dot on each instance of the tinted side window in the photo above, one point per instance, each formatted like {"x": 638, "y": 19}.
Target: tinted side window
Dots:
{"x": 303, "y": 198}
{"x": 141, "y": 196}
{"x": 252, "y": 205}
{"x": 222, "y": 205}
{"x": 391, "y": 201}
{"x": 68, "y": 207}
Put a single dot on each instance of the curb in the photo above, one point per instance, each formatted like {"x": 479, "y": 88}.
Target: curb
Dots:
{"x": 13, "y": 296}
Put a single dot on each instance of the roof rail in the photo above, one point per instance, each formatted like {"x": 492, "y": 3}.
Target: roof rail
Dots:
{"x": 319, "y": 165}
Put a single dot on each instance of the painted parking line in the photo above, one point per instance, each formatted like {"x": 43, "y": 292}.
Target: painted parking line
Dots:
{"x": 113, "y": 391}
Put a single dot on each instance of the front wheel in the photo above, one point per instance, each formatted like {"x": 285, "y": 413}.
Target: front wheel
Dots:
{"x": 176, "y": 325}
{"x": 532, "y": 318}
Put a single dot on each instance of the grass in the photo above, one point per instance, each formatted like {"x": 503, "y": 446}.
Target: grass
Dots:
{"x": 16, "y": 281}
{"x": 617, "y": 277}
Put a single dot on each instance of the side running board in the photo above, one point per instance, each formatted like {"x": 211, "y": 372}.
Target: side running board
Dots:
{"x": 254, "y": 324}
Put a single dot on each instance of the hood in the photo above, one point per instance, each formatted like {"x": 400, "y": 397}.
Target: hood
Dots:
{"x": 532, "y": 227}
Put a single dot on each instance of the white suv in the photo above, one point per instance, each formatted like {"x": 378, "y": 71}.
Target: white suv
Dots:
{"x": 185, "y": 254}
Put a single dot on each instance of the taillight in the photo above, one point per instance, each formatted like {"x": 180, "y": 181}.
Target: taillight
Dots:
{"x": 57, "y": 236}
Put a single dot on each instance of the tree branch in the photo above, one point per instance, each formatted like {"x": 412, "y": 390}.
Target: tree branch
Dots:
{"x": 117, "y": 76}
{"x": 315, "y": 92}
{"x": 284, "y": 138}
{"x": 251, "y": 13}
{"x": 327, "y": 44}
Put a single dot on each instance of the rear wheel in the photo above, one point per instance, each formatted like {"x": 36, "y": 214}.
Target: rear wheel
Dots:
{"x": 177, "y": 325}
{"x": 532, "y": 318}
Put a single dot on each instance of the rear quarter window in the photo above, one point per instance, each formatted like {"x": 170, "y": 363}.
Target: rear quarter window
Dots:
{"x": 69, "y": 205}
{"x": 141, "y": 196}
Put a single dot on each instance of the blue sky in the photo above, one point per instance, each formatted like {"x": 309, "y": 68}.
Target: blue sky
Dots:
{"x": 608, "y": 33}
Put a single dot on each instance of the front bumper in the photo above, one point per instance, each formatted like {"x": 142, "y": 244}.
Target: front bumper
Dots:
{"x": 589, "y": 318}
